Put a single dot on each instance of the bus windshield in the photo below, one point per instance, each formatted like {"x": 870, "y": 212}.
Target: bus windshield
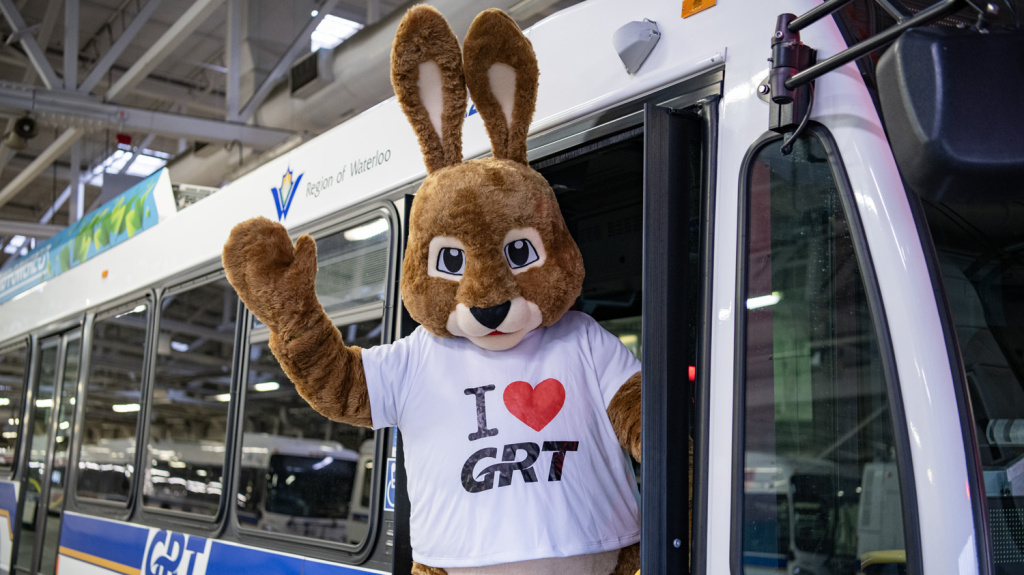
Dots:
{"x": 980, "y": 248}
{"x": 314, "y": 487}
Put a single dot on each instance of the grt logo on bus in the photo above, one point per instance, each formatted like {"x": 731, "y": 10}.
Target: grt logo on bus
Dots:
{"x": 170, "y": 553}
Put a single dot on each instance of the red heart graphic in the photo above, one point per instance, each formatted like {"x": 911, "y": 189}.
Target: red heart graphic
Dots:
{"x": 535, "y": 406}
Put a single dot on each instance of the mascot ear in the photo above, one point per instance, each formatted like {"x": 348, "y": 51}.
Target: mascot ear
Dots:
{"x": 501, "y": 72}
{"x": 426, "y": 71}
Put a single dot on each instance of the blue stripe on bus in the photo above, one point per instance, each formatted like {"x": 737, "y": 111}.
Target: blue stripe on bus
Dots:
{"x": 232, "y": 560}
{"x": 8, "y": 496}
{"x": 121, "y": 543}
{"x": 125, "y": 544}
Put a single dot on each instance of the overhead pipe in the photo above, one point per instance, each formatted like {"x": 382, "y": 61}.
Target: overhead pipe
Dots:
{"x": 361, "y": 66}
{"x": 55, "y": 150}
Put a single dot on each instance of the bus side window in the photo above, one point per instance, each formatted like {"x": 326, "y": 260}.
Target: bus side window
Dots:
{"x": 301, "y": 473}
{"x": 821, "y": 491}
{"x": 13, "y": 368}
{"x": 191, "y": 390}
{"x": 112, "y": 403}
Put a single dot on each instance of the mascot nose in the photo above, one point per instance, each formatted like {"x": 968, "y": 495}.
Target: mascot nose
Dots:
{"x": 491, "y": 316}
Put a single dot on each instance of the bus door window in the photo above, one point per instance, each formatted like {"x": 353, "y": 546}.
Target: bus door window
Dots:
{"x": 32, "y": 478}
{"x": 820, "y": 488}
{"x": 43, "y": 480}
{"x": 112, "y": 403}
{"x": 65, "y": 411}
{"x": 300, "y": 472}
{"x": 191, "y": 391}
{"x": 13, "y": 370}
{"x": 601, "y": 196}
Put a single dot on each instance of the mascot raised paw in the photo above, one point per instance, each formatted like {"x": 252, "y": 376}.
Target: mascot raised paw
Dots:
{"x": 514, "y": 410}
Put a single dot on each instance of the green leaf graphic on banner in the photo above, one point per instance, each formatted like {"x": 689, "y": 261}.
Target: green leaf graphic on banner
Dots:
{"x": 82, "y": 242}
{"x": 102, "y": 234}
{"x": 134, "y": 217}
{"x": 118, "y": 219}
{"x": 65, "y": 259}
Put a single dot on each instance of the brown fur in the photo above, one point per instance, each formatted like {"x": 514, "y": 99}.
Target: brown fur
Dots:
{"x": 424, "y": 35}
{"x": 629, "y": 560}
{"x": 478, "y": 202}
{"x": 495, "y": 38}
{"x": 278, "y": 284}
{"x": 624, "y": 413}
{"x": 420, "y": 569}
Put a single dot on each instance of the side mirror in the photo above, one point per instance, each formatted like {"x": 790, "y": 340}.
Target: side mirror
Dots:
{"x": 953, "y": 104}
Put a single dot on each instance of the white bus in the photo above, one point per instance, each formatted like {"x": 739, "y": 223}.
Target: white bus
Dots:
{"x": 842, "y": 303}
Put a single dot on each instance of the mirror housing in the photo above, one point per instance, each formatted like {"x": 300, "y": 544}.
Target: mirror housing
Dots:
{"x": 953, "y": 106}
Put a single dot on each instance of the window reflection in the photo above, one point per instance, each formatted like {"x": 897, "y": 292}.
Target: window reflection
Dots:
{"x": 353, "y": 265}
{"x": 821, "y": 489}
{"x": 12, "y": 383}
{"x": 112, "y": 404}
{"x": 191, "y": 390}
{"x": 980, "y": 248}
{"x": 302, "y": 473}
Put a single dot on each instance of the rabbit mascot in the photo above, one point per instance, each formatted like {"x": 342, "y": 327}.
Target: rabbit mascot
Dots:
{"x": 513, "y": 409}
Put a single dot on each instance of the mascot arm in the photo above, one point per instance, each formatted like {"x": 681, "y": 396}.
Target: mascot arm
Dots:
{"x": 624, "y": 413}
{"x": 277, "y": 282}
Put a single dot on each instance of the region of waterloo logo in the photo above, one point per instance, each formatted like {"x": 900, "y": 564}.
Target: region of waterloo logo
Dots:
{"x": 285, "y": 193}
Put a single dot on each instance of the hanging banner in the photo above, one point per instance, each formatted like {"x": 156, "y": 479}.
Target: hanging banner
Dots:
{"x": 140, "y": 207}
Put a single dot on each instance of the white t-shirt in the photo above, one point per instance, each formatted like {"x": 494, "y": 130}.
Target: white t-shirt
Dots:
{"x": 510, "y": 455}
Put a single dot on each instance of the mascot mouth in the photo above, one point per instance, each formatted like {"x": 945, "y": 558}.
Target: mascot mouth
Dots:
{"x": 523, "y": 317}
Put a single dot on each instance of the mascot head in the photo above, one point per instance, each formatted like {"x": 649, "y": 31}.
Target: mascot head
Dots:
{"x": 489, "y": 255}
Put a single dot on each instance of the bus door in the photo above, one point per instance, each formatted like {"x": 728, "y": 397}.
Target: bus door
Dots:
{"x": 47, "y": 437}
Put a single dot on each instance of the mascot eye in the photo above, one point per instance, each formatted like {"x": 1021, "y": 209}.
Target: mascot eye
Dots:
{"x": 520, "y": 253}
{"x": 451, "y": 261}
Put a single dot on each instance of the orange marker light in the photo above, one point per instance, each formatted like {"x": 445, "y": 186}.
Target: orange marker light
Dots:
{"x": 691, "y": 7}
{"x": 104, "y": 274}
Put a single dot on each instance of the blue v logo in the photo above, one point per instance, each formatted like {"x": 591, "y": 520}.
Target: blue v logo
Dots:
{"x": 285, "y": 193}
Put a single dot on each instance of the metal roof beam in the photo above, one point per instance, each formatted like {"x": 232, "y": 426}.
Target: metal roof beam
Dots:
{"x": 122, "y": 42}
{"x": 77, "y": 108}
{"x": 42, "y": 161}
{"x": 70, "y": 44}
{"x": 57, "y": 205}
{"x": 280, "y": 70}
{"x": 29, "y": 44}
{"x": 29, "y": 77}
{"x": 28, "y": 229}
{"x": 162, "y": 48}
{"x": 234, "y": 41}
{"x": 18, "y": 163}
